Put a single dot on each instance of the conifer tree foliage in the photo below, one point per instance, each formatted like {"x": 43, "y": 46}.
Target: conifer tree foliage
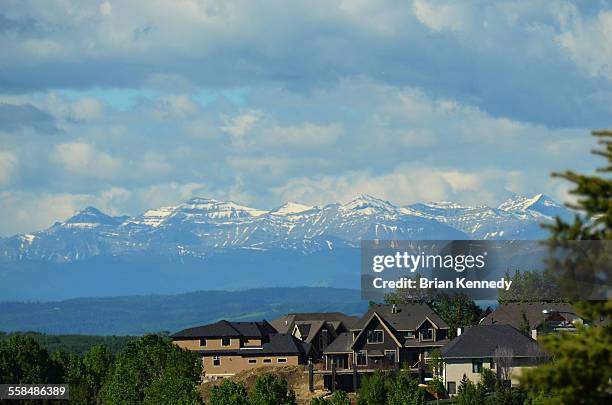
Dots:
{"x": 581, "y": 370}
{"x": 404, "y": 390}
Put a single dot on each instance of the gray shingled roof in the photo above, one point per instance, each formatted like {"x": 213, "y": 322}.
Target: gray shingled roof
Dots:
{"x": 511, "y": 313}
{"x": 408, "y": 316}
{"x": 227, "y": 329}
{"x": 282, "y": 343}
{"x": 285, "y": 323}
{"x": 304, "y": 329}
{"x": 341, "y": 344}
{"x": 278, "y": 344}
{"x": 483, "y": 340}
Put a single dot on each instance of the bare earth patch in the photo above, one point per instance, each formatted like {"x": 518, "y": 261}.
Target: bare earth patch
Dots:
{"x": 296, "y": 376}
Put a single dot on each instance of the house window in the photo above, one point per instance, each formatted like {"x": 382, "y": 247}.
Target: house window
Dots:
{"x": 267, "y": 361}
{"x": 281, "y": 360}
{"x": 427, "y": 334}
{"x": 216, "y": 361}
{"x": 491, "y": 364}
{"x": 226, "y": 341}
{"x": 476, "y": 366}
{"x": 409, "y": 334}
{"x": 252, "y": 361}
{"x": 324, "y": 339}
{"x": 390, "y": 356}
{"x": 375, "y": 336}
{"x": 451, "y": 387}
{"x": 362, "y": 358}
{"x": 202, "y": 342}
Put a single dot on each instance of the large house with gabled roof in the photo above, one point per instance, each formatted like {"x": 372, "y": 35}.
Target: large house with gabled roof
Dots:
{"x": 227, "y": 347}
{"x": 317, "y": 328}
{"x": 389, "y": 336}
{"x": 492, "y": 347}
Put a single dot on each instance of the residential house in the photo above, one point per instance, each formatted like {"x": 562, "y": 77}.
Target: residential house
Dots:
{"x": 230, "y": 347}
{"x": 501, "y": 348}
{"x": 389, "y": 336}
{"x": 535, "y": 318}
{"x": 318, "y": 329}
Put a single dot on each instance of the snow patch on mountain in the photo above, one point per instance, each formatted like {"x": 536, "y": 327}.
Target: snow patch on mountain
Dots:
{"x": 202, "y": 226}
{"x": 290, "y": 208}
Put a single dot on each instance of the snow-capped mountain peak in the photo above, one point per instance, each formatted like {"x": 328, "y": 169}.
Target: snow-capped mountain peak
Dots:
{"x": 290, "y": 208}
{"x": 90, "y": 217}
{"x": 366, "y": 204}
{"x": 153, "y": 217}
{"x": 201, "y": 227}
{"x": 539, "y": 203}
{"x": 206, "y": 207}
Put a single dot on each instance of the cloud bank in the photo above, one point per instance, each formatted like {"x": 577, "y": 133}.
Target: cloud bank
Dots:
{"x": 129, "y": 105}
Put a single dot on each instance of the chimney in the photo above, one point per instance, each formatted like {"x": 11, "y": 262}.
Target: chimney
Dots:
{"x": 534, "y": 334}
{"x": 459, "y": 331}
{"x": 394, "y": 309}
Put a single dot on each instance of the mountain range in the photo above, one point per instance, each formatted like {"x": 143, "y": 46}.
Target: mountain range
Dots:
{"x": 205, "y": 243}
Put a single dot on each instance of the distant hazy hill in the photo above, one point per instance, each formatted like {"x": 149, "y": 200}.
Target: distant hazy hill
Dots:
{"x": 153, "y": 313}
{"x": 206, "y": 244}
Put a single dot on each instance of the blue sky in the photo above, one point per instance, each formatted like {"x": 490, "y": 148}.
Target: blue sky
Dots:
{"x": 129, "y": 105}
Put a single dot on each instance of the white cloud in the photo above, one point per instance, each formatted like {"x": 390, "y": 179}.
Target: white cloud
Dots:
{"x": 239, "y": 125}
{"x": 8, "y": 166}
{"x": 587, "y": 41}
{"x": 106, "y": 8}
{"x": 87, "y": 108}
{"x": 403, "y": 185}
{"x": 26, "y": 212}
{"x": 82, "y": 159}
{"x": 461, "y": 181}
{"x": 439, "y": 16}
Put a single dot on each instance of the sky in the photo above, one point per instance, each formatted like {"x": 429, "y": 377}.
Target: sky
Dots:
{"x": 131, "y": 105}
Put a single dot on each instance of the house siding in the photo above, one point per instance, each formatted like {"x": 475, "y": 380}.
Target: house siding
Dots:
{"x": 455, "y": 369}
{"x": 231, "y": 364}
{"x": 389, "y": 342}
{"x": 211, "y": 344}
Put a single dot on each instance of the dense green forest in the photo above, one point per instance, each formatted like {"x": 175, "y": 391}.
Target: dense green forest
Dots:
{"x": 136, "y": 315}
{"x": 148, "y": 370}
{"x": 74, "y": 344}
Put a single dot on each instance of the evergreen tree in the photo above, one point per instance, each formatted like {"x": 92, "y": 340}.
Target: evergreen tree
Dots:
{"x": 471, "y": 394}
{"x": 404, "y": 390}
{"x": 463, "y": 383}
{"x": 457, "y": 311}
{"x": 373, "y": 389}
{"x": 582, "y": 361}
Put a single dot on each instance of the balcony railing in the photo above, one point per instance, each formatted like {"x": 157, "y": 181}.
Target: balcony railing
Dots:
{"x": 370, "y": 365}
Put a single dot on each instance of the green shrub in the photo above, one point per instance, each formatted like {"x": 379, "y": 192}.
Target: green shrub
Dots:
{"x": 271, "y": 390}
{"x": 337, "y": 398}
{"x": 373, "y": 389}
{"x": 228, "y": 393}
{"x": 404, "y": 390}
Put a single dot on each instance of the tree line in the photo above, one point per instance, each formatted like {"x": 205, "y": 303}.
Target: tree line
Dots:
{"x": 149, "y": 370}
